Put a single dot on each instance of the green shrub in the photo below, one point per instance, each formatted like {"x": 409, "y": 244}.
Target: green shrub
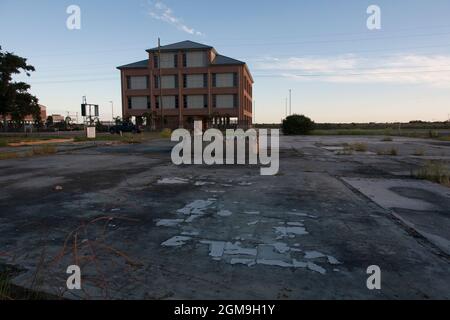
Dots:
{"x": 435, "y": 171}
{"x": 166, "y": 133}
{"x": 297, "y": 125}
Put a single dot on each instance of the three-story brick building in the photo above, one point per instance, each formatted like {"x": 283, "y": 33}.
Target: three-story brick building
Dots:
{"x": 184, "y": 82}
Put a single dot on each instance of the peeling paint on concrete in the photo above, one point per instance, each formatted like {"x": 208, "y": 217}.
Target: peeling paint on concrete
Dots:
{"x": 224, "y": 213}
{"x": 173, "y": 181}
{"x": 176, "y": 241}
{"x": 168, "y": 222}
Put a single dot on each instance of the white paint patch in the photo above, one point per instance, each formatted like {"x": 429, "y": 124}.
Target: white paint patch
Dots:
{"x": 176, "y": 241}
{"x": 277, "y": 263}
{"x": 314, "y": 267}
{"x": 245, "y": 183}
{"x": 299, "y": 264}
{"x": 281, "y": 247}
{"x": 252, "y": 212}
{"x": 216, "y": 248}
{"x": 298, "y": 224}
{"x": 190, "y": 233}
{"x": 313, "y": 255}
{"x": 235, "y": 249}
{"x": 197, "y": 207}
{"x": 301, "y": 214}
{"x": 203, "y": 183}
{"x": 224, "y": 213}
{"x": 173, "y": 181}
{"x": 290, "y": 231}
{"x": 253, "y": 223}
{"x": 332, "y": 260}
{"x": 169, "y": 222}
{"x": 248, "y": 262}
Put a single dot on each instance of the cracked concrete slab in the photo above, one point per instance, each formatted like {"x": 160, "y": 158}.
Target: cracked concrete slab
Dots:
{"x": 167, "y": 241}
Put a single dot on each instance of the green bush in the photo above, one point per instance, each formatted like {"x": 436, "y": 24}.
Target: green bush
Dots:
{"x": 297, "y": 125}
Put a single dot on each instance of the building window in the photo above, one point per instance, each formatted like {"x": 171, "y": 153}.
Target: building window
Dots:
{"x": 137, "y": 82}
{"x": 195, "y": 81}
{"x": 149, "y": 103}
{"x": 175, "y": 61}
{"x": 198, "y": 101}
{"x": 214, "y": 80}
{"x": 214, "y": 102}
{"x": 177, "y": 102}
{"x": 156, "y": 81}
{"x": 235, "y": 100}
{"x": 235, "y": 80}
{"x": 195, "y": 59}
{"x": 224, "y": 101}
{"x": 184, "y": 60}
{"x": 157, "y": 102}
{"x": 155, "y": 61}
{"x": 224, "y": 80}
{"x": 139, "y": 103}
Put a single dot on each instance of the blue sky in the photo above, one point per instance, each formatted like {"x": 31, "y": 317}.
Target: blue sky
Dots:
{"x": 338, "y": 70}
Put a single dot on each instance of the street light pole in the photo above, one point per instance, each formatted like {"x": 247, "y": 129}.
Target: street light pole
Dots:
{"x": 112, "y": 111}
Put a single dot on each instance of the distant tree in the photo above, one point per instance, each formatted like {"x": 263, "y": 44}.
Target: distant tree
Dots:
{"x": 297, "y": 125}
{"x": 117, "y": 120}
{"x": 49, "y": 121}
{"x": 14, "y": 96}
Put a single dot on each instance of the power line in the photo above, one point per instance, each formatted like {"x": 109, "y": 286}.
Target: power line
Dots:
{"x": 348, "y": 74}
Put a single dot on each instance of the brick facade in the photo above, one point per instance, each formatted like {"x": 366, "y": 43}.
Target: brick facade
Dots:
{"x": 226, "y": 88}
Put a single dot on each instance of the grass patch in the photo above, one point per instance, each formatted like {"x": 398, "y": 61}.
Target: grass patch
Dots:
{"x": 388, "y": 152}
{"x": 435, "y": 171}
{"x": 43, "y": 150}
{"x": 166, "y": 133}
{"x": 9, "y": 155}
{"x": 124, "y": 138}
{"x": 5, "y": 140}
{"x": 359, "y": 147}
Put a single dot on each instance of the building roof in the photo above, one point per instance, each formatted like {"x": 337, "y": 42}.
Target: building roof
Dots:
{"x": 135, "y": 65}
{"x": 183, "y": 45}
{"x": 223, "y": 60}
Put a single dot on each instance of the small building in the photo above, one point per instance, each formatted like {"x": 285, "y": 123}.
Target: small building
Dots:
{"x": 57, "y": 118}
{"x": 185, "y": 82}
{"x": 29, "y": 119}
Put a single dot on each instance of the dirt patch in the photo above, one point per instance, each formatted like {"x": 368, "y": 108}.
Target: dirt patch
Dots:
{"x": 36, "y": 143}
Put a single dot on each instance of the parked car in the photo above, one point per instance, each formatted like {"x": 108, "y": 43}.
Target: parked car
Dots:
{"x": 125, "y": 127}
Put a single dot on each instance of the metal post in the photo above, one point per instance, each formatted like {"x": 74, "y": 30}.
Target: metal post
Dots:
{"x": 290, "y": 102}
{"x": 160, "y": 84}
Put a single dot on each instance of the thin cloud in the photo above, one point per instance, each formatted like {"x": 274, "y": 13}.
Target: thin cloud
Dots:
{"x": 162, "y": 12}
{"x": 433, "y": 70}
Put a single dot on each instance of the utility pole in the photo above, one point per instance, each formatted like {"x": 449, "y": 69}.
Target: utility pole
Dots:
{"x": 112, "y": 111}
{"x": 160, "y": 84}
{"x": 286, "y": 106}
{"x": 254, "y": 111}
{"x": 290, "y": 102}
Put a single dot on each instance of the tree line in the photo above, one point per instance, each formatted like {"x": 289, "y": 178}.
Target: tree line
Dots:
{"x": 15, "y": 100}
